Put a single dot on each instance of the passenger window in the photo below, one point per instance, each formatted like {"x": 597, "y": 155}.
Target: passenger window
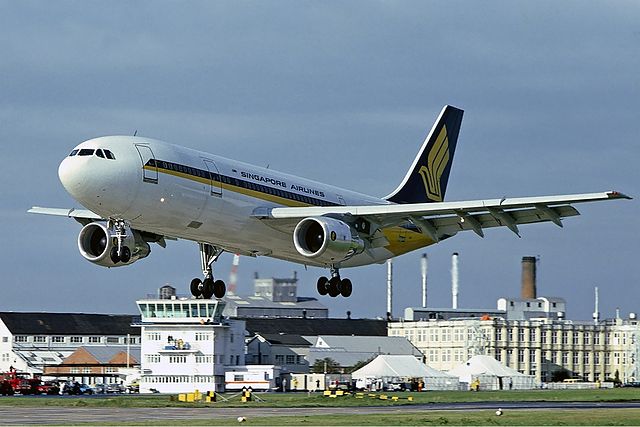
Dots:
{"x": 86, "y": 152}
{"x": 73, "y": 153}
{"x": 109, "y": 155}
{"x": 99, "y": 153}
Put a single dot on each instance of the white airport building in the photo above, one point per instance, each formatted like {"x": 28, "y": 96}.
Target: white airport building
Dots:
{"x": 187, "y": 345}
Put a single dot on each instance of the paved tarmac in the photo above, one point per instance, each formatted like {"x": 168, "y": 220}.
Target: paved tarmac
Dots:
{"x": 21, "y": 415}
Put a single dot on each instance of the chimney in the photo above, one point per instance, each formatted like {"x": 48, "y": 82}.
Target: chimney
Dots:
{"x": 423, "y": 268}
{"x": 389, "y": 287}
{"x": 596, "y": 313}
{"x": 454, "y": 280}
{"x": 528, "y": 289}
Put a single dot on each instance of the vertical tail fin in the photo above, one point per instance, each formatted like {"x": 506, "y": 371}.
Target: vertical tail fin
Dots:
{"x": 426, "y": 180}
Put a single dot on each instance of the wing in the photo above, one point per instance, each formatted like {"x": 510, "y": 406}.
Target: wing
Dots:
{"x": 83, "y": 216}
{"x": 444, "y": 219}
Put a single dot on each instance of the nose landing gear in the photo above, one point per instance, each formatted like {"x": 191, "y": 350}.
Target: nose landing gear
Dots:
{"x": 208, "y": 287}
{"x": 334, "y": 286}
{"x": 120, "y": 253}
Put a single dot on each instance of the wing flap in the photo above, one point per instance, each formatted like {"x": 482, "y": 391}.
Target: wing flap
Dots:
{"x": 449, "y": 225}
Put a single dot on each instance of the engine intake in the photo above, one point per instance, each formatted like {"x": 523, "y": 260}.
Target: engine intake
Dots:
{"x": 96, "y": 241}
{"x": 327, "y": 239}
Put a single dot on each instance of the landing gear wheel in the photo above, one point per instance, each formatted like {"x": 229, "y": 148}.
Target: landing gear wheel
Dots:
{"x": 334, "y": 286}
{"x": 196, "y": 287}
{"x": 322, "y": 285}
{"x": 346, "y": 288}
{"x": 125, "y": 254}
{"x": 219, "y": 289}
{"x": 114, "y": 255}
{"x": 207, "y": 288}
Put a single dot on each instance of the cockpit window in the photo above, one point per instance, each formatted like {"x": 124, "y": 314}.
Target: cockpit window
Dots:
{"x": 74, "y": 152}
{"x": 109, "y": 155}
{"x": 99, "y": 153}
{"x": 86, "y": 152}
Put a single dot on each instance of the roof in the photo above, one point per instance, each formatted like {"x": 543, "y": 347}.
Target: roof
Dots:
{"x": 397, "y": 366}
{"x": 484, "y": 365}
{"x": 36, "y": 323}
{"x": 286, "y": 339}
{"x": 349, "y": 350}
{"x": 106, "y": 354}
{"x": 314, "y": 327}
{"x": 262, "y": 302}
{"x": 367, "y": 344}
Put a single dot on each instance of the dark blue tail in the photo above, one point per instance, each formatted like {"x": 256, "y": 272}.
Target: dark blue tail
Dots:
{"x": 426, "y": 180}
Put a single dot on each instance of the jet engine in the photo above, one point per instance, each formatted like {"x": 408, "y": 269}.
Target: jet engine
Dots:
{"x": 327, "y": 239}
{"x": 99, "y": 244}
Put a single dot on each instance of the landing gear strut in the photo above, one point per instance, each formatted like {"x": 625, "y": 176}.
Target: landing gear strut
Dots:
{"x": 334, "y": 286}
{"x": 120, "y": 253}
{"x": 208, "y": 287}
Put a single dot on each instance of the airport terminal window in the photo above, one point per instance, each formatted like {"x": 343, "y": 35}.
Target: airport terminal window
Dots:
{"x": 86, "y": 152}
{"x": 73, "y": 153}
{"x": 20, "y": 338}
{"x": 94, "y": 339}
{"x": 76, "y": 339}
{"x": 39, "y": 339}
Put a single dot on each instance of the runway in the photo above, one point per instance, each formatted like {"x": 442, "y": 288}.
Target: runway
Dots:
{"x": 22, "y": 415}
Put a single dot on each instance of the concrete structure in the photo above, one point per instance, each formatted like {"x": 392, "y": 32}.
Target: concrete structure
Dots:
{"x": 539, "y": 347}
{"x": 187, "y": 345}
{"x": 31, "y": 341}
{"x": 275, "y": 298}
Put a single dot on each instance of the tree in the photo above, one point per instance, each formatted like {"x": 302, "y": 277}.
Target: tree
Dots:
{"x": 326, "y": 365}
{"x": 360, "y": 364}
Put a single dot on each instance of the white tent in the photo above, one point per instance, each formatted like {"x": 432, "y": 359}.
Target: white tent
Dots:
{"x": 492, "y": 375}
{"x": 395, "y": 368}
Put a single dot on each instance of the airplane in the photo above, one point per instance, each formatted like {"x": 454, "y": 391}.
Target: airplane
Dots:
{"x": 138, "y": 191}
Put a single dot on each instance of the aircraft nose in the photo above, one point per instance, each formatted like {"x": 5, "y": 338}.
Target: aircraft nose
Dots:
{"x": 70, "y": 177}
{"x": 107, "y": 185}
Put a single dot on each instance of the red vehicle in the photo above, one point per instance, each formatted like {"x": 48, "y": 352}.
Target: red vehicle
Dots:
{"x": 20, "y": 382}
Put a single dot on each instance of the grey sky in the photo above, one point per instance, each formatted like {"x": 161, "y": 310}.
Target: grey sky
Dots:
{"x": 340, "y": 92}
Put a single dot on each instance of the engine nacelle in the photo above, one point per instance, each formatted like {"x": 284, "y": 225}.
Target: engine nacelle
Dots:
{"x": 96, "y": 241}
{"x": 326, "y": 239}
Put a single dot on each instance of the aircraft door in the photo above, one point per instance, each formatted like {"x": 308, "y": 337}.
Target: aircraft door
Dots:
{"x": 149, "y": 167}
{"x": 215, "y": 178}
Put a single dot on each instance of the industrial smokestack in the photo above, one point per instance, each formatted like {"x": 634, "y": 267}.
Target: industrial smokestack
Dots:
{"x": 596, "y": 313}
{"x": 423, "y": 268}
{"x": 454, "y": 280}
{"x": 528, "y": 289}
{"x": 389, "y": 287}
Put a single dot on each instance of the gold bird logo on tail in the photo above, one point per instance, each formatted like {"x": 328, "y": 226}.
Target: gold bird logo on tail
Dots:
{"x": 437, "y": 161}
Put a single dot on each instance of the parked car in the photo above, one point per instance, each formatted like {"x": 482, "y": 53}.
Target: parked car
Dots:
{"x": 76, "y": 389}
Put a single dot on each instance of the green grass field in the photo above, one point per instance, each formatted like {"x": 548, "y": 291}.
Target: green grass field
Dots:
{"x": 599, "y": 417}
{"x": 303, "y": 400}
{"x": 399, "y": 412}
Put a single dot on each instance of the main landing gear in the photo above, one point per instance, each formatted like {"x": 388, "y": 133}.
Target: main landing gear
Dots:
{"x": 208, "y": 287}
{"x": 334, "y": 286}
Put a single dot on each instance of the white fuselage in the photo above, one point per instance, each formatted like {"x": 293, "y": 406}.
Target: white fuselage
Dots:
{"x": 167, "y": 190}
